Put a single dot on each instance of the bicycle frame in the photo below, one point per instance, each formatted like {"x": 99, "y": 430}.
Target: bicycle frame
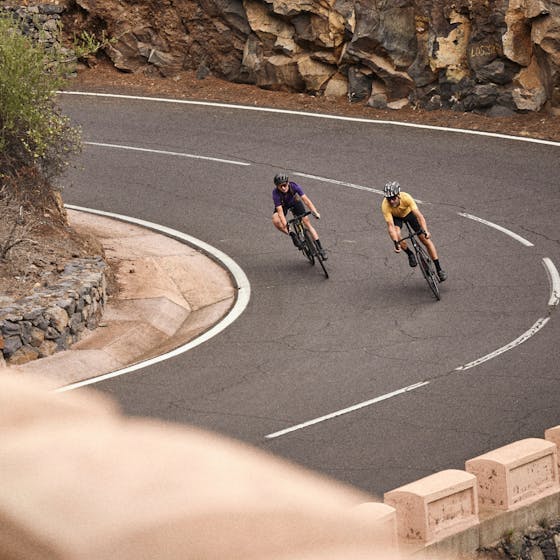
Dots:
{"x": 424, "y": 261}
{"x": 306, "y": 242}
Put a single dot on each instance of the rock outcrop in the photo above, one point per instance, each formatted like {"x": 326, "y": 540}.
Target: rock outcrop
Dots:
{"x": 495, "y": 57}
{"x": 490, "y": 56}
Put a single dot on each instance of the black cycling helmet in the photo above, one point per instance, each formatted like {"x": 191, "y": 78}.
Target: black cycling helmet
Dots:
{"x": 281, "y": 178}
{"x": 391, "y": 189}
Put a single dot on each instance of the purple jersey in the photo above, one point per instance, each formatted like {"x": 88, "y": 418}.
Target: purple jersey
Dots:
{"x": 288, "y": 199}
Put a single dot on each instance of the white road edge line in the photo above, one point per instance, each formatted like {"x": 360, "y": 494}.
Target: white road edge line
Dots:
{"x": 521, "y": 240}
{"x": 347, "y": 410}
{"x": 539, "y": 324}
{"x": 554, "y": 278}
{"x": 314, "y": 115}
{"x": 163, "y": 152}
{"x": 241, "y": 301}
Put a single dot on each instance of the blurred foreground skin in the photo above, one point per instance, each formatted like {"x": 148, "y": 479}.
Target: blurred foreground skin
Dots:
{"x": 82, "y": 481}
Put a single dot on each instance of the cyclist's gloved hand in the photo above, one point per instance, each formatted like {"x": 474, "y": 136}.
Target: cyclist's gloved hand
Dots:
{"x": 426, "y": 234}
{"x": 397, "y": 247}
{"x": 317, "y": 215}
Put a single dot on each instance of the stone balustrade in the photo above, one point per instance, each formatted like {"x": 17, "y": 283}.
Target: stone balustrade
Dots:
{"x": 56, "y": 316}
{"x": 553, "y": 435}
{"x": 458, "y": 512}
{"x": 435, "y": 506}
{"x": 381, "y": 522}
{"x": 515, "y": 474}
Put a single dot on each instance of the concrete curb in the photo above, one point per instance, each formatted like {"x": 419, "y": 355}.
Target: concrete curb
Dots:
{"x": 170, "y": 293}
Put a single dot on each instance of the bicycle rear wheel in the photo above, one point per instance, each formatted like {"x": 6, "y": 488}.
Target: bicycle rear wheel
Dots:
{"x": 428, "y": 270}
{"x": 308, "y": 247}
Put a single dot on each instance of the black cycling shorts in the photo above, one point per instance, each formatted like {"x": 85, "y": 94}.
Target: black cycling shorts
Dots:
{"x": 409, "y": 218}
{"x": 297, "y": 208}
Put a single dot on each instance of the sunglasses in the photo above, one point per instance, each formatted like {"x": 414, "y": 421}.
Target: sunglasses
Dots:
{"x": 392, "y": 198}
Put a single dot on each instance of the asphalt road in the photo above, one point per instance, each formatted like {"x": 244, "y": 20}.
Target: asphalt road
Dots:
{"x": 307, "y": 348}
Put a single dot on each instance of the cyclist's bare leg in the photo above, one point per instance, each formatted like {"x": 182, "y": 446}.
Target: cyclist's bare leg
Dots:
{"x": 430, "y": 246}
{"x": 311, "y": 229}
{"x": 278, "y": 224}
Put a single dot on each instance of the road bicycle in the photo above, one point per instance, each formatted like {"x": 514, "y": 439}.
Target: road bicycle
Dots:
{"x": 424, "y": 260}
{"x": 306, "y": 243}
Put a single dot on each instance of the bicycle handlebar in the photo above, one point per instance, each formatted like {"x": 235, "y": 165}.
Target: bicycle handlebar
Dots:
{"x": 412, "y": 234}
{"x": 299, "y": 217}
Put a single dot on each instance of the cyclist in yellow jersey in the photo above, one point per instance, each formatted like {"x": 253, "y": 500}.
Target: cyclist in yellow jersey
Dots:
{"x": 399, "y": 207}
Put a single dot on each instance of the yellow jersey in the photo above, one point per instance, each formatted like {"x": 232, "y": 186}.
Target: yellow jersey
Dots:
{"x": 405, "y": 207}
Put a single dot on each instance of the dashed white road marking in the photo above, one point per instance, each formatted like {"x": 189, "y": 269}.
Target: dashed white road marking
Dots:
{"x": 524, "y": 337}
{"x": 345, "y": 184}
{"x": 519, "y": 340}
{"x": 164, "y": 152}
{"x": 336, "y": 182}
{"x": 347, "y": 410}
{"x": 241, "y": 301}
{"x": 554, "y": 278}
{"x": 521, "y": 240}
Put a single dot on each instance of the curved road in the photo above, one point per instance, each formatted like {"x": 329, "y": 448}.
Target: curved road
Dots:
{"x": 364, "y": 377}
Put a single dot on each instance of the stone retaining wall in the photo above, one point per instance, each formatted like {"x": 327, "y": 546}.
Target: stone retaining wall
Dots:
{"x": 54, "y": 317}
{"x": 42, "y": 23}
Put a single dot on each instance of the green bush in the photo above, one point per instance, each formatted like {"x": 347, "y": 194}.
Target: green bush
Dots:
{"x": 33, "y": 132}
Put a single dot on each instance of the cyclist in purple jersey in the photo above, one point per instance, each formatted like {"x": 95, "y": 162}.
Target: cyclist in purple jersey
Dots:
{"x": 288, "y": 195}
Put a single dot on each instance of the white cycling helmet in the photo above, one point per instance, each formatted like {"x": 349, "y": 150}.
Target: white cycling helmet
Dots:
{"x": 392, "y": 188}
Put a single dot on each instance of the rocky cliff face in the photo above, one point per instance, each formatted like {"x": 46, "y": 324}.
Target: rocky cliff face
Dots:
{"x": 491, "y": 56}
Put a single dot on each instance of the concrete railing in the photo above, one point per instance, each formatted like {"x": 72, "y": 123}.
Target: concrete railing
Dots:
{"x": 458, "y": 512}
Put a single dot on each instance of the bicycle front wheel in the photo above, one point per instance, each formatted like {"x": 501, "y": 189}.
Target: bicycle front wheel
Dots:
{"x": 321, "y": 260}
{"x": 428, "y": 270}
{"x": 309, "y": 247}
